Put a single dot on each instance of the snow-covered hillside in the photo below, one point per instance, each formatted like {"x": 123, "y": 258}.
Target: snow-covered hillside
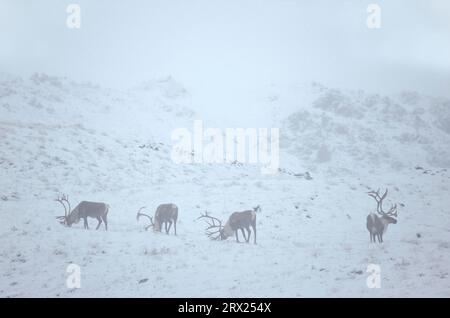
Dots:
{"x": 366, "y": 131}
{"x": 114, "y": 146}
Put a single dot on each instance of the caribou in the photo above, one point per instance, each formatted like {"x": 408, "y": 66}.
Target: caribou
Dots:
{"x": 376, "y": 225}
{"x": 165, "y": 213}
{"x": 85, "y": 209}
{"x": 237, "y": 221}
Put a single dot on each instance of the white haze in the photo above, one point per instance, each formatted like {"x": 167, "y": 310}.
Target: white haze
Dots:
{"x": 247, "y": 63}
{"x": 233, "y": 49}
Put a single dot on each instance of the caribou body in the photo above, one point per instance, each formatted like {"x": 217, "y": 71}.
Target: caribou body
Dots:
{"x": 377, "y": 225}
{"x": 165, "y": 214}
{"x": 85, "y": 209}
{"x": 237, "y": 221}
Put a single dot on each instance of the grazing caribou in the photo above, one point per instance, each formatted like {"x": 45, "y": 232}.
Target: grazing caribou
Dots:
{"x": 165, "y": 213}
{"x": 236, "y": 221}
{"x": 83, "y": 210}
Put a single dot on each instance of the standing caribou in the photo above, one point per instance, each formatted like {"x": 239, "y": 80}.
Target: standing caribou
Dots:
{"x": 165, "y": 213}
{"x": 376, "y": 225}
{"x": 83, "y": 210}
{"x": 236, "y": 221}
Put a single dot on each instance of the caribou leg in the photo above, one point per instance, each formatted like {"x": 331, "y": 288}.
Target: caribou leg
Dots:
{"x": 253, "y": 224}
{"x": 249, "y": 234}
{"x": 99, "y": 222}
{"x": 86, "y": 225}
{"x": 104, "y": 217}
{"x": 175, "y": 227}
{"x": 237, "y": 239}
{"x": 243, "y": 234}
{"x": 170, "y": 225}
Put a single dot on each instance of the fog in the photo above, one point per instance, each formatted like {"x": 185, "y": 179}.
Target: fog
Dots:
{"x": 304, "y": 205}
{"x": 222, "y": 51}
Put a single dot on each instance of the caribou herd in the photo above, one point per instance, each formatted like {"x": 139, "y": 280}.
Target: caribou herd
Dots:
{"x": 245, "y": 221}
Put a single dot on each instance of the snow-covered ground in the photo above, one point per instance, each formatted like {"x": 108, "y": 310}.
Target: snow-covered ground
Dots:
{"x": 97, "y": 144}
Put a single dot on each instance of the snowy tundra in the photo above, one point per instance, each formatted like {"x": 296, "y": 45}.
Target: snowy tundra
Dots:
{"x": 104, "y": 145}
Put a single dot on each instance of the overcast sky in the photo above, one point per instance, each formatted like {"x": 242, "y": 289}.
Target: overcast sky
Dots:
{"x": 222, "y": 46}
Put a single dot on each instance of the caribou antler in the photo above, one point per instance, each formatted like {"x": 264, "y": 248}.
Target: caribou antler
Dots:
{"x": 213, "y": 227}
{"x": 62, "y": 199}
{"x": 379, "y": 199}
{"x": 139, "y": 214}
